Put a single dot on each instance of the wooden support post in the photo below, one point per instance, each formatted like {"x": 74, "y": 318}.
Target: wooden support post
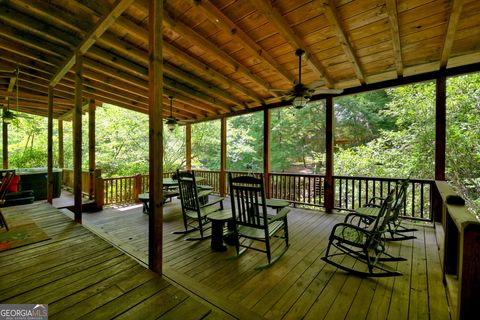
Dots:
{"x": 329, "y": 188}
{"x": 155, "y": 89}
{"x": 440, "y": 127}
{"x": 5, "y": 142}
{"x": 223, "y": 156}
{"x": 99, "y": 195}
{"x": 188, "y": 146}
{"x": 440, "y": 138}
{"x": 77, "y": 146}
{"x": 137, "y": 187}
{"x": 61, "y": 158}
{"x": 266, "y": 150}
{"x": 50, "y": 146}
{"x": 91, "y": 148}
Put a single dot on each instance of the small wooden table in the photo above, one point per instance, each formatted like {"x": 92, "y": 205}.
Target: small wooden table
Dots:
{"x": 277, "y": 204}
{"x": 218, "y": 220}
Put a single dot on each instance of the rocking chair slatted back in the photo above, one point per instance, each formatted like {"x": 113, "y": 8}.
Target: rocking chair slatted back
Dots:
{"x": 249, "y": 201}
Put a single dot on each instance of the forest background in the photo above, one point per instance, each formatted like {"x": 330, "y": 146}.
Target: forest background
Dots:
{"x": 386, "y": 133}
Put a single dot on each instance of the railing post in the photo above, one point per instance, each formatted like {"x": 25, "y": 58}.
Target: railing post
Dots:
{"x": 99, "y": 195}
{"x": 137, "y": 187}
{"x": 223, "y": 157}
{"x": 266, "y": 151}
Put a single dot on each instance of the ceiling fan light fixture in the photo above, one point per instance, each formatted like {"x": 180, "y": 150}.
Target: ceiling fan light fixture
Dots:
{"x": 300, "y": 101}
{"x": 171, "y": 123}
{"x": 8, "y": 116}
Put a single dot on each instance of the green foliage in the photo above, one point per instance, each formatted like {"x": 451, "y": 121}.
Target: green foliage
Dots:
{"x": 389, "y": 133}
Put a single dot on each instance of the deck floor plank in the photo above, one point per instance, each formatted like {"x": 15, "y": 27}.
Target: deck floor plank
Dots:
{"x": 80, "y": 275}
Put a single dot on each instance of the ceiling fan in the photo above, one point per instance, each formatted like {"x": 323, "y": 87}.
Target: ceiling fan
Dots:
{"x": 171, "y": 122}
{"x": 300, "y": 94}
{"x": 9, "y": 116}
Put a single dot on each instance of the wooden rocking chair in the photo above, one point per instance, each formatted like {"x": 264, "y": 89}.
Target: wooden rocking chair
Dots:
{"x": 368, "y": 213}
{"x": 365, "y": 245}
{"x": 252, "y": 223}
{"x": 194, "y": 212}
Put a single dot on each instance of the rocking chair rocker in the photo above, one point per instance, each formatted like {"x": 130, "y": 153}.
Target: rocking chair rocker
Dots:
{"x": 365, "y": 245}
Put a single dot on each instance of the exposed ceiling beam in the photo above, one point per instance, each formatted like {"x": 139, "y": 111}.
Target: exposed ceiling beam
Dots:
{"x": 330, "y": 12}
{"x": 142, "y": 57}
{"x": 100, "y": 27}
{"x": 451, "y": 28}
{"x": 196, "y": 38}
{"x": 217, "y": 17}
{"x": 34, "y": 97}
{"x": 392, "y": 13}
{"x": 289, "y": 34}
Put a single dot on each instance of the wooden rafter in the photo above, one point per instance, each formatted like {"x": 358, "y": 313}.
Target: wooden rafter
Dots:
{"x": 170, "y": 69}
{"x": 102, "y": 25}
{"x": 451, "y": 28}
{"x": 216, "y": 16}
{"x": 34, "y": 97}
{"x": 331, "y": 13}
{"x": 201, "y": 41}
{"x": 289, "y": 34}
{"x": 395, "y": 32}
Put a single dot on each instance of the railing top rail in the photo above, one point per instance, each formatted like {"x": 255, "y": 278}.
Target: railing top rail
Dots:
{"x": 384, "y": 179}
{"x": 297, "y": 174}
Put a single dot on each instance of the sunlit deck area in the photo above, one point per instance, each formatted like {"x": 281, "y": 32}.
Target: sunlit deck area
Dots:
{"x": 300, "y": 285}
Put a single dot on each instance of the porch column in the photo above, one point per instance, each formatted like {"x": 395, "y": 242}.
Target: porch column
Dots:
{"x": 61, "y": 161}
{"x": 329, "y": 188}
{"x": 440, "y": 127}
{"x": 91, "y": 147}
{"x": 188, "y": 146}
{"x": 5, "y": 142}
{"x": 440, "y": 143}
{"x": 223, "y": 156}
{"x": 50, "y": 146}
{"x": 155, "y": 89}
{"x": 266, "y": 150}
{"x": 77, "y": 134}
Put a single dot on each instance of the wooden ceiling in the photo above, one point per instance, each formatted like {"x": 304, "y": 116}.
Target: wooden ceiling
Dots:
{"x": 225, "y": 56}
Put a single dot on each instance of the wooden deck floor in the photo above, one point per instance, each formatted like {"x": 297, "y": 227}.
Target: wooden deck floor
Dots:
{"x": 300, "y": 285}
{"x": 82, "y": 276}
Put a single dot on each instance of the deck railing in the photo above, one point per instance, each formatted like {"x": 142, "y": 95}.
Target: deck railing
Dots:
{"x": 299, "y": 189}
{"x": 67, "y": 181}
{"x": 352, "y": 192}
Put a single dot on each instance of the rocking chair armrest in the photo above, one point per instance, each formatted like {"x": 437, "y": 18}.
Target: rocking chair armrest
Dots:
{"x": 212, "y": 202}
{"x": 204, "y": 193}
{"x": 372, "y": 201}
{"x": 281, "y": 215}
{"x": 349, "y": 219}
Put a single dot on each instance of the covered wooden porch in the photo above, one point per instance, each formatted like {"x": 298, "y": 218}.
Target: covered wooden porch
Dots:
{"x": 225, "y": 58}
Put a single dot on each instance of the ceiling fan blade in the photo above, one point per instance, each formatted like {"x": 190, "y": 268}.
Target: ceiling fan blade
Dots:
{"x": 328, "y": 91}
{"x": 316, "y": 84}
{"x": 280, "y": 90}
